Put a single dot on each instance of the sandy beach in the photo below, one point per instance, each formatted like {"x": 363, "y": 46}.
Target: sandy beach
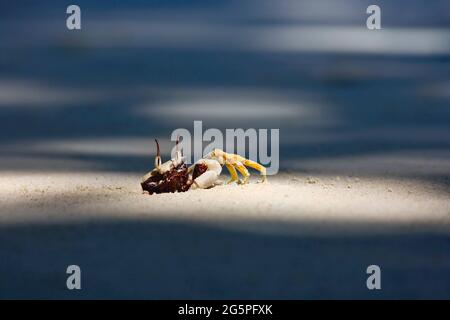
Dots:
{"x": 285, "y": 203}
{"x": 284, "y": 238}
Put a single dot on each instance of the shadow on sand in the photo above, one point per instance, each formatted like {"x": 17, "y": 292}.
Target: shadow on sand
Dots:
{"x": 177, "y": 260}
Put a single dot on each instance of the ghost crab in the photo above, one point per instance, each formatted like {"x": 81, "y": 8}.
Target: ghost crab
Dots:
{"x": 174, "y": 175}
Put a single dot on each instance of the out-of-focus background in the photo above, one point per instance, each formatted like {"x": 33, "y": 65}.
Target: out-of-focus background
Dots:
{"x": 350, "y": 103}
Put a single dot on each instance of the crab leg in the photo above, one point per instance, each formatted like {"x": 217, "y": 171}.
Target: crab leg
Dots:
{"x": 243, "y": 171}
{"x": 240, "y": 164}
{"x": 256, "y": 166}
{"x": 233, "y": 173}
{"x": 235, "y": 161}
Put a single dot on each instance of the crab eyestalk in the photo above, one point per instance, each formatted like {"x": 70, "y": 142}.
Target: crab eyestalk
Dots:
{"x": 178, "y": 154}
{"x": 170, "y": 176}
{"x": 158, "y": 156}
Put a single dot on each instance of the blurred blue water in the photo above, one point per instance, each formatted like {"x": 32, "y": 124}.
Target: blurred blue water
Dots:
{"x": 115, "y": 77}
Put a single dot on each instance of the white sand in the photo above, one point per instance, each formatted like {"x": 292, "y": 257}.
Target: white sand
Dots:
{"x": 297, "y": 236}
{"x": 288, "y": 203}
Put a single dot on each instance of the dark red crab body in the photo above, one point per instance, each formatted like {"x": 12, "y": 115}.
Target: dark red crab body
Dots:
{"x": 174, "y": 180}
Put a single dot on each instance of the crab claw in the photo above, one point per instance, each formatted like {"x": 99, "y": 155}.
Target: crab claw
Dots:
{"x": 207, "y": 174}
